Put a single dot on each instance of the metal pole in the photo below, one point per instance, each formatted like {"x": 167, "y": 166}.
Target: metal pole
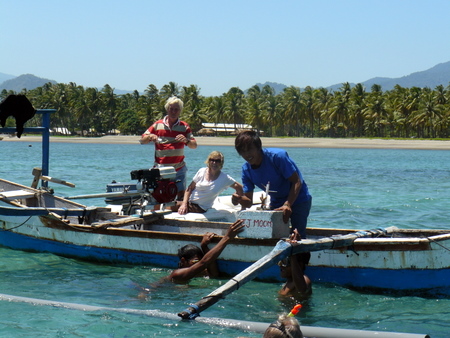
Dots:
{"x": 46, "y": 143}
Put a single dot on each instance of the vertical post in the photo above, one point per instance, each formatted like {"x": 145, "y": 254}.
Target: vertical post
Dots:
{"x": 45, "y": 143}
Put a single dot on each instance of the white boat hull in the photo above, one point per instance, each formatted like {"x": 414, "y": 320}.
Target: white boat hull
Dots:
{"x": 409, "y": 260}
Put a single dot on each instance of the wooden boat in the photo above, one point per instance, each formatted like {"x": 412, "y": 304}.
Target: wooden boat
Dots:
{"x": 35, "y": 220}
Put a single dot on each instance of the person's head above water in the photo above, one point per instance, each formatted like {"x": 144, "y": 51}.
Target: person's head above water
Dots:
{"x": 189, "y": 255}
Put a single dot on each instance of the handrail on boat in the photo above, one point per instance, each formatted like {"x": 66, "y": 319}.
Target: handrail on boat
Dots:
{"x": 45, "y": 131}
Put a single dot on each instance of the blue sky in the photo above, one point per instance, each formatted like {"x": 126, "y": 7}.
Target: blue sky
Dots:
{"x": 219, "y": 44}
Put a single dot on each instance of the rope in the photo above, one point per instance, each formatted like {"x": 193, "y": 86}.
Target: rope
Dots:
{"x": 17, "y": 225}
{"x": 334, "y": 242}
{"x": 237, "y": 282}
{"x": 192, "y": 315}
{"x": 442, "y": 246}
{"x": 68, "y": 224}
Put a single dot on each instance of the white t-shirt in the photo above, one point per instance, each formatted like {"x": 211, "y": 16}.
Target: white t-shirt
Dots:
{"x": 205, "y": 192}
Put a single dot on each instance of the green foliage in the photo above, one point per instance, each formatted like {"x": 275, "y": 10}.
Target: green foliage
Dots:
{"x": 129, "y": 123}
{"x": 346, "y": 112}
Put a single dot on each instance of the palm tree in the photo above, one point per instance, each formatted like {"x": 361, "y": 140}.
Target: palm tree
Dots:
{"x": 440, "y": 95}
{"x": 214, "y": 109}
{"x": 79, "y": 108}
{"x": 93, "y": 108}
{"x": 193, "y": 107}
{"x": 428, "y": 116}
{"x": 376, "y": 112}
{"x": 398, "y": 104}
{"x": 234, "y": 112}
{"x": 337, "y": 117}
{"x": 169, "y": 90}
{"x": 255, "y": 107}
{"x": 413, "y": 99}
{"x": 308, "y": 98}
{"x": 357, "y": 105}
{"x": 271, "y": 116}
{"x": 191, "y": 97}
{"x": 152, "y": 92}
{"x": 323, "y": 99}
{"x": 109, "y": 107}
{"x": 293, "y": 110}
{"x": 148, "y": 106}
{"x": 61, "y": 104}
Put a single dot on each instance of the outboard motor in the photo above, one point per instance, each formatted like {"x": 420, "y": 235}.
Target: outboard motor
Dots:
{"x": 154, "y": 187}
{"x": 156, "y": 182}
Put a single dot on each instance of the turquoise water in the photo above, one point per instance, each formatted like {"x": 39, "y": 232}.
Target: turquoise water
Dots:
{"x": 351, "y": 188}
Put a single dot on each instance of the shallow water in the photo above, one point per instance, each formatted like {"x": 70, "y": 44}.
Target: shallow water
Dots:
{"x": 351, "y": 188}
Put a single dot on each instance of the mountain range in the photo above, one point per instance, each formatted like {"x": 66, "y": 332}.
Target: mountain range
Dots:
{"x": 27, "y": 81}
{"x": 437, "y": 75}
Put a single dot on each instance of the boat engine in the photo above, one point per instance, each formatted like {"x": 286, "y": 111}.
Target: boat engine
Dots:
{"x": 155, "y": 186}
{"x": 156, "y": 182}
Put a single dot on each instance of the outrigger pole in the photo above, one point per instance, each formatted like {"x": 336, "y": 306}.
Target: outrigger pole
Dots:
{"x": 45, "y": 131}
{"x": 281, "y": 250}
{"x": 258, "y": 327}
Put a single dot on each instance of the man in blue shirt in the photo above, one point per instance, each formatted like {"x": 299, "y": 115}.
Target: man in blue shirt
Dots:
{"x": 287, "y": 189}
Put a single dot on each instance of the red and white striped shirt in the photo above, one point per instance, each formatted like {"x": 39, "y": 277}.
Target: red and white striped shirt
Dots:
{"x": 167, "y": 150}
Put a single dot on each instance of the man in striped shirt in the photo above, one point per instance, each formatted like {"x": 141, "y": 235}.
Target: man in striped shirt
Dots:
{"x": 170, "y": 136}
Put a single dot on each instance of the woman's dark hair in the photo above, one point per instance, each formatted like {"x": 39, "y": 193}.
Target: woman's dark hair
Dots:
{"x": 247, "y": 139}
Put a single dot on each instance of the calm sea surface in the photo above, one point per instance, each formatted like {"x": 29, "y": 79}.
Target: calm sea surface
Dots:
{"x": 351, "y": 188}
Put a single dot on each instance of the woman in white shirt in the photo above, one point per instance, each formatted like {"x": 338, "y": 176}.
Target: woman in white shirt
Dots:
{"x": 206, "y": 185}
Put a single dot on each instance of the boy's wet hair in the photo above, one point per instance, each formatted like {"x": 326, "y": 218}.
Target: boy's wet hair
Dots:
{"x": 190, "y": 251}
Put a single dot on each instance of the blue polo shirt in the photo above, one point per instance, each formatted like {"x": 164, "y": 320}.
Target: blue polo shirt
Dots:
{"x": 276, "y": 167}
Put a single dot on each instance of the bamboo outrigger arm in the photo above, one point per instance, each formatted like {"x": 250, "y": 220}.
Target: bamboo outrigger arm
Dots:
{"x": 281, "y": 250}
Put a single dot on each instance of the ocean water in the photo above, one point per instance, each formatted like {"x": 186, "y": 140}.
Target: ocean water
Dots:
{"x": 351, "y": 188}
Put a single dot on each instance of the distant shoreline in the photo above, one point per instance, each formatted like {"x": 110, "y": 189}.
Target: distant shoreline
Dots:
{"x": 267, "y": 142}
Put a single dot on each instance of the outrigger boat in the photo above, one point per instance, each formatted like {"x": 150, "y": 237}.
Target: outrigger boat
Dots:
{"x": 34, "y": 219}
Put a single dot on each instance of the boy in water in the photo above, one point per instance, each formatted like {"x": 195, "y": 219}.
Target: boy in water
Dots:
{"x": 195, "y": 262}
{"x": 298, "y": 285}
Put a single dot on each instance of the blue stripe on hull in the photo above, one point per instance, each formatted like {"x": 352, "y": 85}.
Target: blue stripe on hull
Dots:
{"x": 233, "y": 268}
{"x": 20, "y": 242}
{"x": 406, "y": 279}
{"x": 27, "y": 212}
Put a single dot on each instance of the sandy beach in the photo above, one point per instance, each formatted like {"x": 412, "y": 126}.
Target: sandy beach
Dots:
{"x": 267, "y": 142}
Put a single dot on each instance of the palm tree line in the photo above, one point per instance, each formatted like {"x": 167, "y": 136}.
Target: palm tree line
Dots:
{"x": 309, "y": 112}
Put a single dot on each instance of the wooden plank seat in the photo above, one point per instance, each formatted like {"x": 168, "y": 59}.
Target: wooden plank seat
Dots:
{"x": 66, "y": 212}
{"x": 16, "y": 194}
{"x": 120, "y": 222}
